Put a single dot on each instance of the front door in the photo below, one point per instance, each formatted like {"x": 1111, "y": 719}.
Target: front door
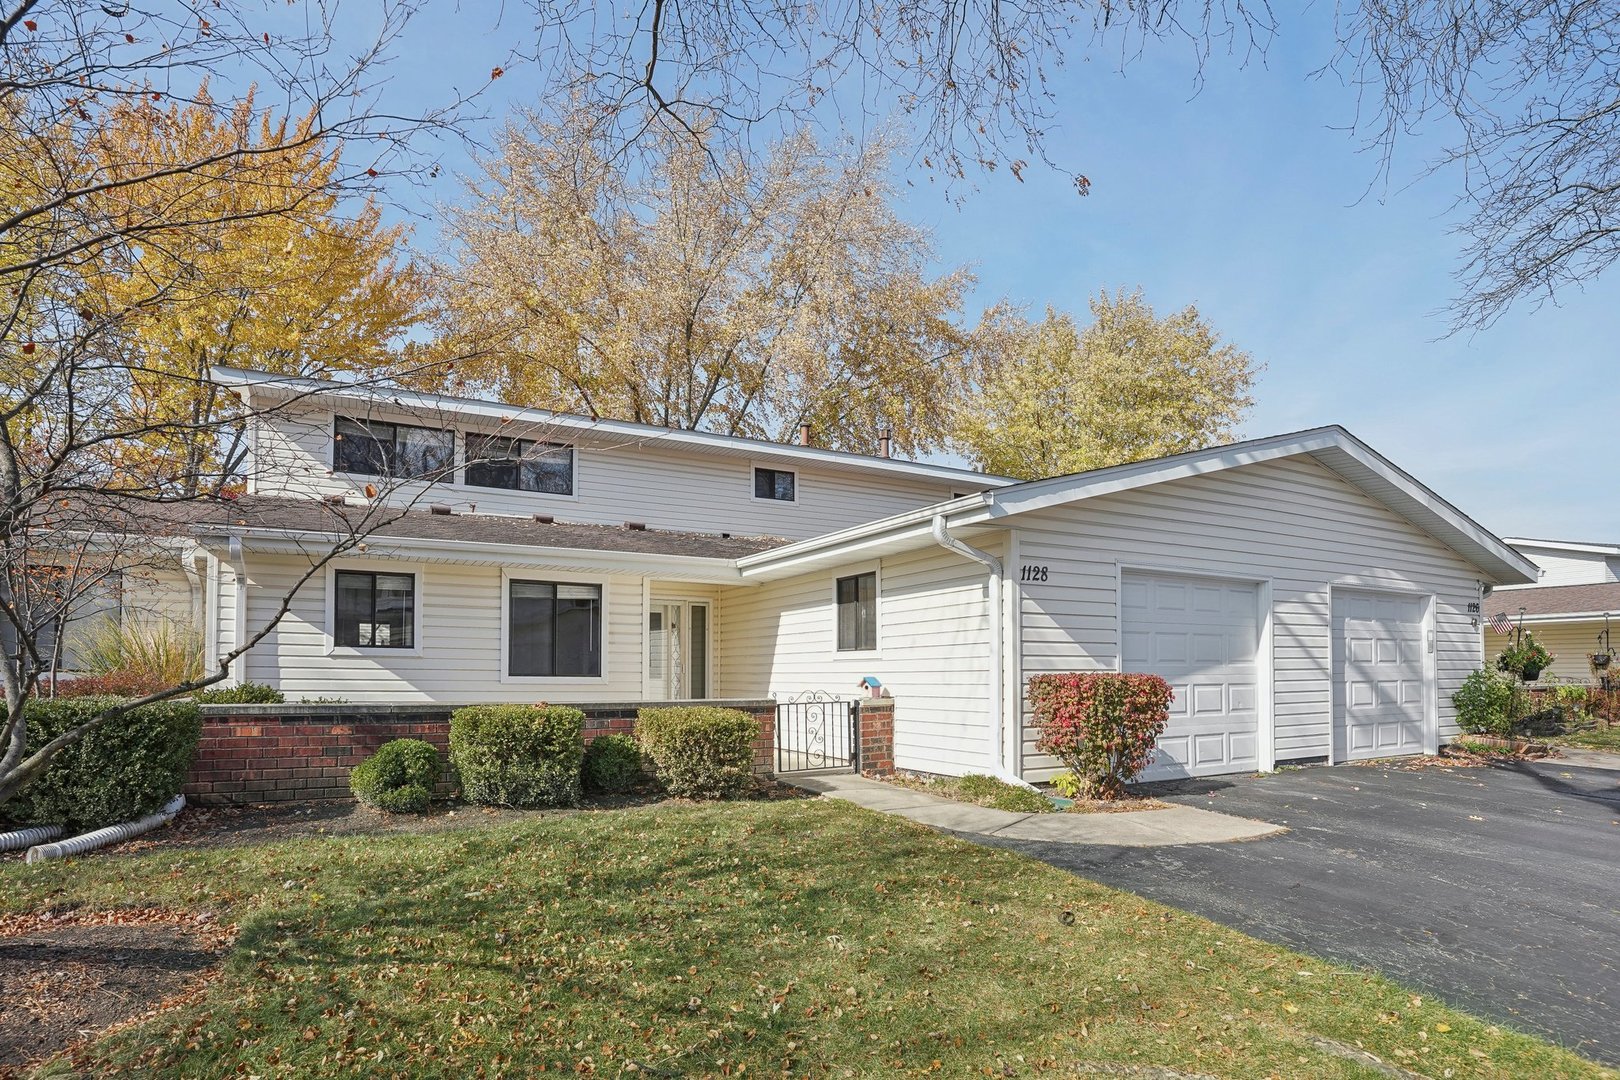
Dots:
{"x": 678, "y": 650}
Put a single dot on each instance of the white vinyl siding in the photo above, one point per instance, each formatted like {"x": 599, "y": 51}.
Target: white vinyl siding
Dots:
{"x": 1570, "y": 643}
{"x": 661, "y": 486}
{"x": 932, "y": 655}
{"x": 459, "y": 656}
{"x": 1569, "y": 567}
{"x": 1292, "y": 522}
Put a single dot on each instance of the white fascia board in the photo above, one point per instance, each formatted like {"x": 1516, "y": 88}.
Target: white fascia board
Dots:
{"x": 662, "y": 567}
{"x": 858, "y": 537}
{"x": 1572, "y": 616}
{"x": 250, "y": 382}
{"x": 1561, "y": 545}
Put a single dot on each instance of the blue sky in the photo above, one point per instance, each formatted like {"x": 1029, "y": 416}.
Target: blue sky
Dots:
{"x": 1249, "y": 199}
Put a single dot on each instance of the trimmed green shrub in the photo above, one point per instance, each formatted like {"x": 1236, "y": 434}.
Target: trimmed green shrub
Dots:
{"x": 124, "y": 769}
{"x": 1102, "y": 726}
{"x": 248, "y": 693}
{"x": 1488, "y": 703}
{"x": 398, "y": 778}
{"x": 518, "y": 755}
{"x": 699, "y": 751}
{"x": 613, "y": 763}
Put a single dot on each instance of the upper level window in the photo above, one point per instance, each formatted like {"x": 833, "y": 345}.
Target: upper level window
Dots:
{"x": 554, "y": 629}
{"x": 780, "y": 485}
{"x": 400, "y": 451}
{"x": 857, "y": 612}
{"x": 494, "y": 461}
{"x": 374, "y": 610}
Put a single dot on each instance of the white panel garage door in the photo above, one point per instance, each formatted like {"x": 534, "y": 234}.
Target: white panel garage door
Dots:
{"x": 1379, "y": 703}
{"x": 1202, "y": 636}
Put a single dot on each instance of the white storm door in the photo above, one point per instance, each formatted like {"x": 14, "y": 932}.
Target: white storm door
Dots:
{"x": 678, "y": 650}
{"x": 1202, "y": 635}
{"x": 1379, "y": 682}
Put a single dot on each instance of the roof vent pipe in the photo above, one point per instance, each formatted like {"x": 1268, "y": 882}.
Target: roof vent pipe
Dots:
{"x": 884, "y": 435}
{"x": 804, "y": 434}
{"x": 992, "y": 564}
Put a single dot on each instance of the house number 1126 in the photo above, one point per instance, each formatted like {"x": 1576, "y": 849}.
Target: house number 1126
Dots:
{"x": 1032, "y": 573}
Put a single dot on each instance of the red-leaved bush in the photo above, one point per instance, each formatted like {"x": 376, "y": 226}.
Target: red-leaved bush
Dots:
{"x": 131, "y": 682}
{"x": 1102, "y": 726}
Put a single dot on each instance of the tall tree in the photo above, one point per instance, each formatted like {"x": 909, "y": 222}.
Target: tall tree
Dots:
{"x": 79, "y": 408}
{"x": 1129, "y": 386}
{"x": 277, "y": 274}
{"x": 707, "y": 291}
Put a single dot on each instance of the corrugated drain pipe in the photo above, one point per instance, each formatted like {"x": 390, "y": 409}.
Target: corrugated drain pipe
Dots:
{"x": 27, "y": 838}
{"x": 950, "y": 543}
{"x": 112, "y": 834}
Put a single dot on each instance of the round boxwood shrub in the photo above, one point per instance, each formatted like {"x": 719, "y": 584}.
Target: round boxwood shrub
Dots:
{"x": 126, "y": 768}
{"x": 613, "y": 763}
{"x": 518, "y": 755}
{"x": 398, "y": 778}
{"x": 699, "y": 751}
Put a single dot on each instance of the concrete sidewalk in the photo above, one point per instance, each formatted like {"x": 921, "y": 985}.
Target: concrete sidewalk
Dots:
{"x": 1140, "y": 828}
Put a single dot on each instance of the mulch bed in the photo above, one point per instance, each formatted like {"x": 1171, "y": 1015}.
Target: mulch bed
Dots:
{"x": 69, "y": 975}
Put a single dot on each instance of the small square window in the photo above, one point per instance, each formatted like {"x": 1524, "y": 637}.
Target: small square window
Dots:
{"x": 857, "y": 612}
{"x": 778, "y": 485}
{"x": 374, "y": 610}
{"x": 554, "y": 629}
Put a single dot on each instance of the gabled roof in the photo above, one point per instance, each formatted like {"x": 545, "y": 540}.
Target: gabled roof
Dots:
{"x": 1557, "y": 603}
{"x": 273, "y": 388}
{"x": 1333, "y": 447}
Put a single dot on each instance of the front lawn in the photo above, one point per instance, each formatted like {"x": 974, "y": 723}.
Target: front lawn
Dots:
{"x": 1602, "y": 738}
{"x": 804, "y": 938}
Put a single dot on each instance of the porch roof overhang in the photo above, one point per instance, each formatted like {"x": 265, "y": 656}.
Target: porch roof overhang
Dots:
{"x": 1332, "y": 447}
{"x": 313, "y": 545}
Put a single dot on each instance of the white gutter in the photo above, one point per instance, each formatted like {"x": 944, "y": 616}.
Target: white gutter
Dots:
{"x": 239, "y": 609}
{"x": 996, "y": 571}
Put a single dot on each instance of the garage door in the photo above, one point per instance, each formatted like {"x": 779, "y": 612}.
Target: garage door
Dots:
{"x": 1202, "y": 636}
{"x": 1379, "y": 703}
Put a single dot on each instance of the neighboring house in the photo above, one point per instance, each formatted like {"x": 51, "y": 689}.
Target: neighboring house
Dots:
{"x": 1568, "y": 611}
{"x": 1306, "y": 598}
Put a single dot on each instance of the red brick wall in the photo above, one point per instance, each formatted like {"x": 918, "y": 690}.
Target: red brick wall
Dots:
{"x": 288, "y": 753}
{"x": 876, "y": 727}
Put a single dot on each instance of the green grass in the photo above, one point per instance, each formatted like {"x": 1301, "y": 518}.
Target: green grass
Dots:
{"x": 804, "y": 938}
{"x": 992, "y": 792}
{"x": 1603, "y": 738}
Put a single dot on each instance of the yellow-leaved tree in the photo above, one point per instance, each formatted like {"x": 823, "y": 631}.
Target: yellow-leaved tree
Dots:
{"x": 697, "y": 288}
{"x": 260, "y": 264}
{"x": 1129, "y": 386}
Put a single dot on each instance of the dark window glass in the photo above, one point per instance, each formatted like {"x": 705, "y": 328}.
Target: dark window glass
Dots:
{"x": 374, "y": 611}
{"x": 774, "y": 484}
{"x": 554, "y": 629}
{"x": 519, "y": 465}
{"x": 857, "y": 612}
{"x": 399, "y": 451}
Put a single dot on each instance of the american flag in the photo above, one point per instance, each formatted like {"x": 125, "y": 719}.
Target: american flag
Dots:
{"x": 1501, "y": 623}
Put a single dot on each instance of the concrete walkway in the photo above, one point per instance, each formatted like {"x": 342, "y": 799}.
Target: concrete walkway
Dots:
{"x": 1140, "y": 828}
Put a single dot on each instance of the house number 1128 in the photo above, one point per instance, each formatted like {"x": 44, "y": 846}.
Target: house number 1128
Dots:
{"x": 1032, "y": 573}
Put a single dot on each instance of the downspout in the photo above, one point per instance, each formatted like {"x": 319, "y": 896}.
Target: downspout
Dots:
{"x": 992, "y": 564}
{"x": 239, "y": 613}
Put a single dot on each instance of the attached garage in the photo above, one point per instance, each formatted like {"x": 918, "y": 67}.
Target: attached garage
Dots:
{"x": 1306, "y": 599}
{"x": 1203, "y": 636}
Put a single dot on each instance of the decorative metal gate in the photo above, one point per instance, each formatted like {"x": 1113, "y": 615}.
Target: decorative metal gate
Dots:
{"x": 815, "y": 732}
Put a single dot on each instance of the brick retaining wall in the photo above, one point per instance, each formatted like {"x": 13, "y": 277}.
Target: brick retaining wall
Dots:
{"x": 289, "y": 753}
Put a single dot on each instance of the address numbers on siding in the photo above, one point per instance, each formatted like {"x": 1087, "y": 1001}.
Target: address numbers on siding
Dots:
{"x": 1032, "y": 572}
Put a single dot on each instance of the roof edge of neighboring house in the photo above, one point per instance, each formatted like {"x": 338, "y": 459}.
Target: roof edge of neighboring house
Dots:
{"x": 1564, "y": 545}
{"x": 251, "y": 382}
{"x": 1332, "y": 446}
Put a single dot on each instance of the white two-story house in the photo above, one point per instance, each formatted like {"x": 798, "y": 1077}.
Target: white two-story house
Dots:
{"x": 1306, "y": 598}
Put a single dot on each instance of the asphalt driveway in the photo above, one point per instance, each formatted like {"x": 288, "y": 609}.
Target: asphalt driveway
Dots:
{"x": 1497, "y": 889}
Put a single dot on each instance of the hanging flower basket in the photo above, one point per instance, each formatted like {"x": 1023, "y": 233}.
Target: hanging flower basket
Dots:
{"x": 1526, "y": 658}
{"x": 1600, "y": 660}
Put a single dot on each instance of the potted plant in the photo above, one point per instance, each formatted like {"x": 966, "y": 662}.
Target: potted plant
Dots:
{"x": 1526, "y": 658}
{"x": 1600, "y": 660}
